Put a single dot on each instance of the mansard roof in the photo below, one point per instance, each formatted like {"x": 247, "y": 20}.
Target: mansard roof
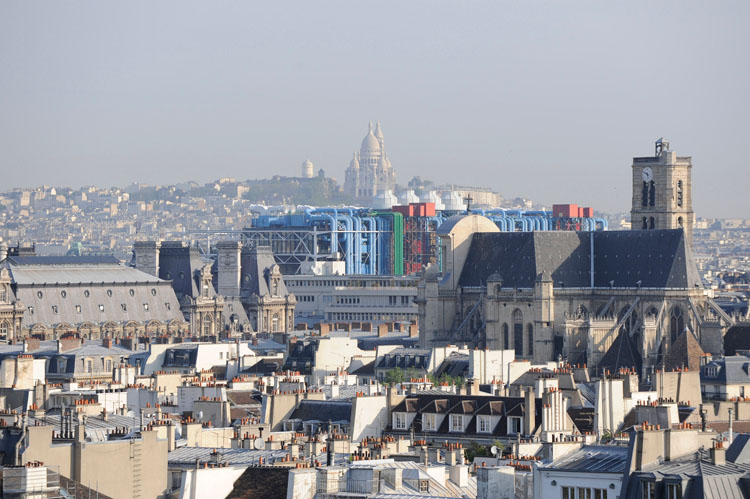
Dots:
{"x": 633, "y": 258}
{"x": 76, "y": 290}
{"x": 255, "y": 263}
{"x": 181, "y": 264}
{"x": 468, "y": 405}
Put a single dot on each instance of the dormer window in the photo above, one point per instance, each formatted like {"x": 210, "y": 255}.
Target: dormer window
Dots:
{"x": 515, "y": 425}
{"x": 712, "y": 371}
{"x": 429, "y": 422}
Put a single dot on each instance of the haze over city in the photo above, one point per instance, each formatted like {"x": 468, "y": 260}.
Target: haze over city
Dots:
{"x": 549, "y": 100}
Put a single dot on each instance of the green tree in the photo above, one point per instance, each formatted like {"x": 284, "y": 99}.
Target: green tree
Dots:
{"x": 477, "y": 450}
{"x": 394, "y": 376}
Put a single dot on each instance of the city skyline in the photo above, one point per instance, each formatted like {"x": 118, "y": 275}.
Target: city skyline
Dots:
{"x": 505, "y": 96}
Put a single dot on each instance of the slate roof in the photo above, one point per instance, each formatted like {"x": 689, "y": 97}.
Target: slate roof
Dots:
{"x": 737, "y": 338}
{"x": 656, "y": 258}
{"x": 266, "y": 483}
{"x": 365, "y": 369}
{"x": 622, "y": 353}
{"x": 684, "y": 352}
{"x": 56, "y": 291}
{"x": 264, "y": 367}
{"x": 254, "y": 263}
{"x": 730, "y": 370}
{"x": 470, "y": 405}
{"x": 180, "y": 264}
{"x": 61, "y": 260}
{"x": 739, "y": 451}
{"x": 708, "y": 480}
{"x": 323, "y": 411}
{"x": 405, "y": 358}
{"x": 457, "y": 364}
{"x": 583, "y": 418}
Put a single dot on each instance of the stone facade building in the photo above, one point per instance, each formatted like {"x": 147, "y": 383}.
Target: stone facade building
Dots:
{"x": 370, "y": 171}
{"x": 191, "y": 277}
{"x": 49, "y": 297}
{"x": 11, "y": 309}
{"x": 598, "y": 298}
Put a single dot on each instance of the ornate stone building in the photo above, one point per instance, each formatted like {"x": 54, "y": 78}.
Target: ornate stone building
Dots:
{"x": 241, "y": 290}
{"x": 192, "y": 279}
{"x": 50, "y": 297}
{"x": 11, "y": 309}
{"x": 607, "y": 299}
{"x": 252, "y": 276}
{"x": 370, "y": 171}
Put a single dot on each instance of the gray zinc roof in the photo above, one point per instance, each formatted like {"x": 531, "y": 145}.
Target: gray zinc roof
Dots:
{"x": 593, "y": 459}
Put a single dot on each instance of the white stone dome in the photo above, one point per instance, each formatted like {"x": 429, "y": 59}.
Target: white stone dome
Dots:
{"x": 370, "y": 144}
{"x": 354, "y": 163}
{"x": 384, "y": 200}
{"x": 307, "y": 169}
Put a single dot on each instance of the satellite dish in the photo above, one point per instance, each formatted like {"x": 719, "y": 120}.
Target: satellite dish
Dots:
{"x": 259, "y": 444}
{"x": 494, "y": 450}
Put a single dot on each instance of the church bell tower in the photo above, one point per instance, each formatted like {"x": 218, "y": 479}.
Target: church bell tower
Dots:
{"x": 662, "y": 191}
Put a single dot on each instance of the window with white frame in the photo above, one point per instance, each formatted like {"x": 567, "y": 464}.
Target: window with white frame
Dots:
{"x": 429, "y": 422}
{"x": 457, "y": 422}
{"x": 399, "y": 421}
{"x": 515, "y": 425}
{"x": 583, "y": 493}
{"x": 485, "y": 424}
{"x": 674, "y": 491}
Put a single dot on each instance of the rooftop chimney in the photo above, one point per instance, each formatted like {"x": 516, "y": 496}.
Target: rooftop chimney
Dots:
{"x": 529, "y": 416}
{"x": 718, "y": 454}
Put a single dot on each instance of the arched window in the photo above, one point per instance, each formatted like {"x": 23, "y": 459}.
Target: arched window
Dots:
{"x": 679, "y": 222}
{"x": 518, "y": 332}
{"x": 644, "y": 194}
{"x": 530, "y": 332}
{"x": 651, "y": 223}
{"x": 4, "y": 329}
{"x": 506, "y": 339}
{"x": 651, "y": 193}
{"x": 679, "y": 193}
{"x": 275, "y": 323}
{"x": 645, "y": 223}
{"x": 676, "y": 324}
{"x": 207, "y": 325}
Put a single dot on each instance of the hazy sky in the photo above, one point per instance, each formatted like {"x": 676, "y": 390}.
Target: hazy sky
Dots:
{"x": 548, "y": 100}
